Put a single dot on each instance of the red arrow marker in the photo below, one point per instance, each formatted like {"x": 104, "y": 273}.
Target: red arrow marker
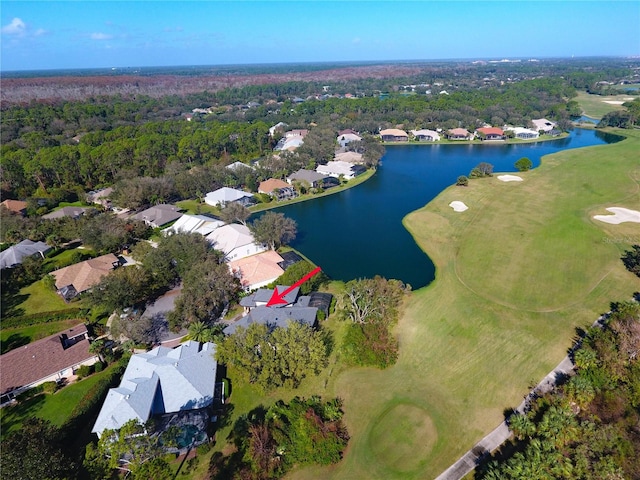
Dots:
{"x": 278, "y": 298}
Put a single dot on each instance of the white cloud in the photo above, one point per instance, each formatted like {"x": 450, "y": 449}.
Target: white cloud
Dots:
{"x": 16, "y": 27}
{"x": 40, "y": 32}
{"x": 100, "y": 36}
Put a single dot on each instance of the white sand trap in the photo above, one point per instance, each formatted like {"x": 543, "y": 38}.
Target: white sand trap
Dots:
{"x": 509, "y": 178}
{"x": 620, "y": 215}
{"x": 458, "y": 206}
{"x": 613, "y": 102}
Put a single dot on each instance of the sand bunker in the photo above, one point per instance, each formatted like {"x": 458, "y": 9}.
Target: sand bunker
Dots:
{"x": 613, "y": 102}
{"x": 509, "y": 178}
{"x": 458, "y": 206}
{"x": 620, "y": 215}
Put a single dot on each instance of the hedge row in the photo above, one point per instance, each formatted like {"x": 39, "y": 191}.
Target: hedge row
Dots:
{"x": 92, "y": 400}
{"x": 44, "y": 317}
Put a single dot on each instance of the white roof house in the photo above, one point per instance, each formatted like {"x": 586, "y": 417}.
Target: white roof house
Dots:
{"x": 347, "y": 138}
{"x": 335, "y": 169}
{"x": 225, "y": 195}
{"x": 163, "y": 380}
{"x": 235, "y": 241}
{"x": 201, "y": 224}
{"x": 524, "y": 133}
{"x": 544, "y": 124}
{"x": 426, "y": 134}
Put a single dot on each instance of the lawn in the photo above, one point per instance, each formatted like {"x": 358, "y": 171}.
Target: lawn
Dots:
{"x": 517, "y": 273}
{"x": 56, "y": 408}
{"x": 40, "y": 298}
{"x": 594, "y": 106}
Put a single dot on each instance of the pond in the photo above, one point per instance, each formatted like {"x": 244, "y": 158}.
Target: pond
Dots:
{"x": 359, "y": 233}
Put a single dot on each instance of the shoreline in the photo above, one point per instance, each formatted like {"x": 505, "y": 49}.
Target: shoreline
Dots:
{"x": 510, "y": 141}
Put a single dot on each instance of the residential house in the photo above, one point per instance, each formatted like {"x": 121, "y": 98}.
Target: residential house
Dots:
{"x": 280, "y": 126}
{"x": 350, "y": 157}
{"x": 524, "y": 133}
{"x": 235, "y": 241}
{"x": 202, "y": 224}
{"x": 276, "y": 317}
{"x": 425, "y": 135}
{"x": 490, "y": 133}
{"x": 279, "y": 189}
{"x": 15, "y": 254}
{"x": 50, "y": 359}
{"x": 224, "y": 195}
{"x": 235, "y": 166}
{"x": 542, "y": 124}
{"x": 459, "y": 134}
{"x": 179, "y": 381}
{"x": 15, "y": 206}
{"x": 394, "y": 135}
{"x": 347, "y": 136}
{"x": 296, "y": 133}
{"x": 261, "y": 297}
{"x": 72, "y": 212}
{"x": 337, "y": 169}
{"x": 159, "y": 215}
{"x": 100, "y": 197}
{"x": 80, "y": 277}
{"x": 314, "y": 179}
{"x": 289, "y": 143}
{"x": 258, "y": 270}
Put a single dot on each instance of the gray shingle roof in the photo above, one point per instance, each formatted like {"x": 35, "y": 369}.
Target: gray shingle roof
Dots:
{"x": 275, "y": 317}
{"x": 26, "y": 248}
{"x": 163, "y": 380}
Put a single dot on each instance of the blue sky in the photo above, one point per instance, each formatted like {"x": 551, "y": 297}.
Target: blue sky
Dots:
{"x": 92, "y": 34}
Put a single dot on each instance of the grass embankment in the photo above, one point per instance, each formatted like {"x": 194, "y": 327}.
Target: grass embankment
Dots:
{"x": 14, "y": 337}
{"x": 517, "y": 273}
{"x": 595, "y": 106}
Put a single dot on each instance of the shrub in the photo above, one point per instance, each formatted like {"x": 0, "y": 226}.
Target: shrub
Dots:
{"x": 524, "y": 164}
{"x": 84, "y": 371}
{"x": 98, "y": 367}
{"x": 462, "y": 181}
{"x": 49, "y": 387}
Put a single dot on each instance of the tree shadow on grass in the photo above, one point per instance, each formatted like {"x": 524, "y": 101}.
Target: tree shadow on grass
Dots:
{"x": 14, "y": 340}
{"x": 10, "y": 304}
{"x": 14, "y": 415}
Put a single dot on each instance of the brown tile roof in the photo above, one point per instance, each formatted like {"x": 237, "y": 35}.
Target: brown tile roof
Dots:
{"x": 42, "y": 358}
{"x": 85, "y": 274}
{"x": 16, "y": 206}
{"x": 491, "y": 131}
{"x": 258, "y": 268}
{"x": 268, "y": 186}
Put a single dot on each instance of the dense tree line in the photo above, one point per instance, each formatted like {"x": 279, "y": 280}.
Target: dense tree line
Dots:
{"x": 42, "y": 151}
{"x": 588, "y": 428}
{"x": 270, "y": 443}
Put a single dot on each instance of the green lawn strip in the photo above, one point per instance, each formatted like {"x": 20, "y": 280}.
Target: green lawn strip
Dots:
{"x": 56, "y": 408}
{"x": 465, "y": 357}
{"x": 41, "y": 298}
{"x": 23, "y": 335}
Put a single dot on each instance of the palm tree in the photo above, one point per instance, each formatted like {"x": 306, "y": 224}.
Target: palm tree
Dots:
{"x": 199, "y": 331}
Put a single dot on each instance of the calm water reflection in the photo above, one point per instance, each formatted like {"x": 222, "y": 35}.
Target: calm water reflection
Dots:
{"x": 359, "y": 233}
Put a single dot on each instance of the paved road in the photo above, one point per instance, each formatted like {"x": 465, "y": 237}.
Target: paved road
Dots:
{"x": 469, "y": 460}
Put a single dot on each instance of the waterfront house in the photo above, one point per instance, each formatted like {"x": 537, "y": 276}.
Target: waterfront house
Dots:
{"x": 394, "y": 135}
{"x": 279, "y": 189}
{"x": 257, "y": 270}
{"x": 225, "y": 195}
{"x": 524, "y": 133}
{"x": 459, "y": 134}
{"x": 542, "y": 124}
{"x": 202, "y": 224}
{"x": 235, "y": 241}
{"x": 425, "y": 135}
{"x": 314, "y": 179}
{"x": 490, "y": 133}
{"x": 338, "y": 169}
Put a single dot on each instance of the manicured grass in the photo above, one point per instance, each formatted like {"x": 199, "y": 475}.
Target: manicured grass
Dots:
{"x": 594, "y": 106}
{"x": 517, "y": 273}
{"x": 40, "y": 298}
{"x": 56, "y": 408}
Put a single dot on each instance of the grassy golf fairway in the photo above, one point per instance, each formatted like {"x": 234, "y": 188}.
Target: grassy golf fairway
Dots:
{"x": 517, "y": 273}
